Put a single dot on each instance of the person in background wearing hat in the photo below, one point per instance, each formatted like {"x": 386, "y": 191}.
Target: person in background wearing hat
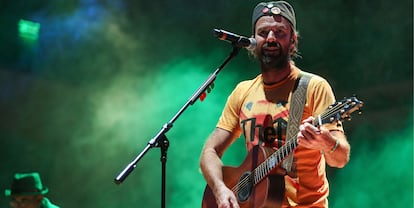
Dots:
{"x": 259, "y": 109}
{"x": 27, "y": 191}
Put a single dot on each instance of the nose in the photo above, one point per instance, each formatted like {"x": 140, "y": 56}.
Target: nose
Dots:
{"x": 271, "y": 37}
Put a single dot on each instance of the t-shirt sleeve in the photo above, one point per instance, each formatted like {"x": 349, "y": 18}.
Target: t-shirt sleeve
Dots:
{"x": 229, "y": 119}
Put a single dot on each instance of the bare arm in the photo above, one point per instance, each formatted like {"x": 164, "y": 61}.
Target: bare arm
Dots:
{"x": 211, "y": 166}
{"x": 333, "y": 143}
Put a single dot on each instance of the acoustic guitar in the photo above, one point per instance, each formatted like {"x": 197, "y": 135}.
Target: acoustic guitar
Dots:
{"x": 252, "y": 182}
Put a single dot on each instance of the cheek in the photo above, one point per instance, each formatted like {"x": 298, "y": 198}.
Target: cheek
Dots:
{"x": 286, "y": 45}
{"x": 258, "y": 50}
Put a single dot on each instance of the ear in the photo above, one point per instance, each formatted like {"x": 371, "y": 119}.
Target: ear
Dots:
{"x": 293, "y": 41}
{"x": 294, "y": 38}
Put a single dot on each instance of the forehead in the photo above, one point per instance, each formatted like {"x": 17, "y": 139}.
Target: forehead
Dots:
{"x": 272, "y": 21}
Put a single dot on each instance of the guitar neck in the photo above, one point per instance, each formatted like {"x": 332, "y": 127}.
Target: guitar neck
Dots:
{"x": 273, "y": 160}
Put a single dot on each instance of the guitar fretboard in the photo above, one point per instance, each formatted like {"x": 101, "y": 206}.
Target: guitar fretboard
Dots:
{"x": 273, "y": 160}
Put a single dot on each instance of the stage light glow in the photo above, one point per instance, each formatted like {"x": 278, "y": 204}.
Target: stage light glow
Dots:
{"x": 28, "y": 30}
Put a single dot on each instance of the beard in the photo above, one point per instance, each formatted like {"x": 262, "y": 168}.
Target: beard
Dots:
{"x": 272, "y": 60}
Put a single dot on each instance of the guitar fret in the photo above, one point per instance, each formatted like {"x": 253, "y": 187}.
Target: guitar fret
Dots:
{"x": 254, "y": 173}
{"x": 279, "y": 158}
{"x": 273, "y": 162}
{"x": 263, "y": 170}
{"x": 255, "y": 177}
{"x": 260, "y": 172}
{"x": 259, "y": 175}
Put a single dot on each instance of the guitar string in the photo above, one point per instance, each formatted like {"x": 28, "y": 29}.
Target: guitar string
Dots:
{"x": 328, "y": 113}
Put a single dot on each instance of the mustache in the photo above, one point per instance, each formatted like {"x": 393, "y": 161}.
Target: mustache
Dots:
{"x": 272, "y": 44}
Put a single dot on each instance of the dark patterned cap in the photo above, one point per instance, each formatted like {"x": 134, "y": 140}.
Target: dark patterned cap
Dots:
{"x": 274, "y": 8}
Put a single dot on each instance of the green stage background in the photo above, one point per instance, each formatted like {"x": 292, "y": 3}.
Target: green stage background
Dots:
{"x": 80, "y": 100}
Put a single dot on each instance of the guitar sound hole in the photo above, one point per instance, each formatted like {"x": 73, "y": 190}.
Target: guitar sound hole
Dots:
{"x": 244, "y": 187}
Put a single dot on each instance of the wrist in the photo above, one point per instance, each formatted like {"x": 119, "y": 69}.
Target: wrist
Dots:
{"x": 335, "y": 146}
{"x": 332, "y": 150}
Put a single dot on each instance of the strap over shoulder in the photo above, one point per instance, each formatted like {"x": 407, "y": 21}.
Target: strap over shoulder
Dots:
{"x": 297, "y": 103}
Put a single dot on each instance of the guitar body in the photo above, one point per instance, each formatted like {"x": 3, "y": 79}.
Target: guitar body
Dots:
{"x": 269, "y": 192}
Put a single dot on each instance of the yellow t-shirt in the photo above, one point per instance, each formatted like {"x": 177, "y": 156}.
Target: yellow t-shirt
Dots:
{"x": 254, "y": 109}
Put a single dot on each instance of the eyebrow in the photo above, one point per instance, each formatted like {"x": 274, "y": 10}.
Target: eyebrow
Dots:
{"x": 267, "y": 26}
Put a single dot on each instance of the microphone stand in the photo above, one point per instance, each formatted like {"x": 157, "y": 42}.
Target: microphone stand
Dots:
{"x": 161, "y": 141}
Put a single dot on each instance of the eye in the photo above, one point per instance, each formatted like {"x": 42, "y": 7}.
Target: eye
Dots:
{"x": 263, "y": 33}
{"x": 280, "y": 33}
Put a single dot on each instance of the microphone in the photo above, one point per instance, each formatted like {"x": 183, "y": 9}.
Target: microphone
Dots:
{"x": 236, "y": 40}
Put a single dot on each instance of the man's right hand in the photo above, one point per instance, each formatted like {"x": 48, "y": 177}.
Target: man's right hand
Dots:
{"x": 225, "y": 198}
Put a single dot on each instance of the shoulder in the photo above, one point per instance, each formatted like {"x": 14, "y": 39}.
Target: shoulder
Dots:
{"x": 242, "y": 90}
{"x": 315, "y": 80}
{"x": 248, "y": 83}
{"x": 319, "y": 91}
{"x": 245, "y": 86}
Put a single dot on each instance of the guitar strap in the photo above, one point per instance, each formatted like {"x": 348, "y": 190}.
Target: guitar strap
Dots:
{"x": 297, "y": 103}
